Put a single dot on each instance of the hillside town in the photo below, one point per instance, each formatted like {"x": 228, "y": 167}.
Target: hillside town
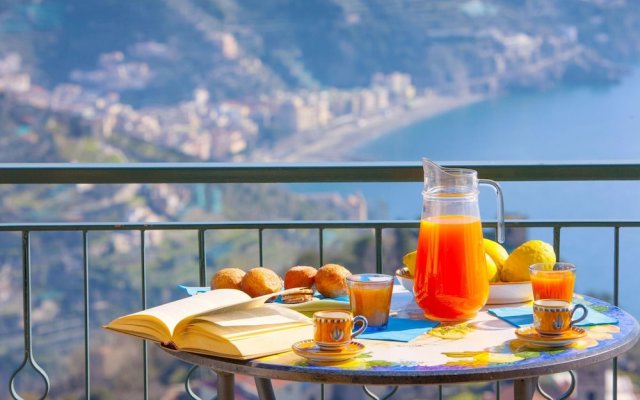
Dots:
{"x": 246, "y": 128}
{"x": 200, "y": 127}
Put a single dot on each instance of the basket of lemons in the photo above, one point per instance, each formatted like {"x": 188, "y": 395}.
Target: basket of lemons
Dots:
{"x": 508, "y": 274}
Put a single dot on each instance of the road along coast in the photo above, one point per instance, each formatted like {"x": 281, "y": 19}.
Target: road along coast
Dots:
{"x": 339, "y": 141}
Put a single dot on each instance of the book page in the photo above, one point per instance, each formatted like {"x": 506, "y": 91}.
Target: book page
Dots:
{"x": 251, "y": 303}
{"x": 266, "y": 315}
{"x": 165, "y": 319}
{"x": 172, "y": 313}
{"x": 200, "y": 340}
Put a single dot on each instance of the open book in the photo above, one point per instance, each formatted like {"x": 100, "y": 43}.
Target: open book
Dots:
{"x": 223, "y": 322}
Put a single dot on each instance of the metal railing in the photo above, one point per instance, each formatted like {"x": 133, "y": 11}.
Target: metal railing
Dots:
{"x": 269, "y": 173}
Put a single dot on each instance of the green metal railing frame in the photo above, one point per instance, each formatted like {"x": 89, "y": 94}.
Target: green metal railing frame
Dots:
{"x": 381, "y": 172}
{"x": 23, "y": 173}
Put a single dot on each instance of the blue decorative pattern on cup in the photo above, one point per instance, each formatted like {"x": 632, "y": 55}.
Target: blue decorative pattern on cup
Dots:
{"x": 336, "y": 329}
{"x": 554, "y": 317}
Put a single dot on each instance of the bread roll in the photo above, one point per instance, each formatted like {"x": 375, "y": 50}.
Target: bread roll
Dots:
{"x": 259, "y": 281}
{"x": 331, "y": 280}
{"x": 300, "y": 276}
{"x": 227, "y": 278}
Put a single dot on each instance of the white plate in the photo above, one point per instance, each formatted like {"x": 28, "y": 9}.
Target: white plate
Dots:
{"x": 318, "y": 305}
{"x": 499, "y": 292}
{"x": 509, "y": 292}
{"x": 405, "y": 280}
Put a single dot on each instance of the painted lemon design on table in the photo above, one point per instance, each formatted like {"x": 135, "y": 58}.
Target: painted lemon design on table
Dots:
{"x": 451, "y": 332}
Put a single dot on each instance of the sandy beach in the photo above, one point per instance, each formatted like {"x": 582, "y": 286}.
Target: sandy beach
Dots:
{"x": 337, "y": 143}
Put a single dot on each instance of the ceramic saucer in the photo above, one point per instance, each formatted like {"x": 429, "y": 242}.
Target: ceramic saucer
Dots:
{"x": 531, "y": 336}
{"x": 309, "y": 350}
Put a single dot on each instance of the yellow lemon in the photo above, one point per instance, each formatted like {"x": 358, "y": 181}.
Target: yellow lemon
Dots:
{"x": 496, "y": 252}
{"x": 492, "y": 269}
{"x": 409, "y": 261}
{"x": 516, "y": 268}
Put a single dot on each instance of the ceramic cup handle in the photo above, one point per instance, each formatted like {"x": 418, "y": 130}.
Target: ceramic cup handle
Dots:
{"x": 363, "y": 325}
{"x": 582, "y": 317}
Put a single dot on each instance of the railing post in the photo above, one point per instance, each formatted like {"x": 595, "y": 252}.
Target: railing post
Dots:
{"x": 556, "y": 240}
{"x": 378, "y": 250}
{"x": 28, "y": 344}
{"x": 87, "y": 343}
{"x": 616, "y": 288}
{"x": 143, "y": 277}
{"x": 261, "y": 254}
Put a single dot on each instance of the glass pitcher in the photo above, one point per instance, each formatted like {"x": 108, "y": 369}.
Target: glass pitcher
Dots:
{"x": 451, "y": 282}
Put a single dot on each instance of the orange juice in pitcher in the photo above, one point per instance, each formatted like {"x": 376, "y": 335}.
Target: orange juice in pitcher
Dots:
{"x": 450, "y": 265}
{"x": 451, "y": 281}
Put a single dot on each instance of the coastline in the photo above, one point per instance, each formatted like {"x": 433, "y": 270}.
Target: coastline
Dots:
{"x": 338, "y": 143}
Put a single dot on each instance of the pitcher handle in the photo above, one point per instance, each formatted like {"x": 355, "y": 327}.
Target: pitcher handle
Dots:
{"x": 500, "y": 211}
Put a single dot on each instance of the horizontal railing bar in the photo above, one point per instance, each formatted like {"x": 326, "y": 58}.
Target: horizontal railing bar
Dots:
{"x": 370, "y": 224}
{"x": 102, "y": 173}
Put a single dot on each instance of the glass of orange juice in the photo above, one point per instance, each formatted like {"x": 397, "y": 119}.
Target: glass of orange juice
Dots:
{"x": 370, "y": 296}
{"x": 554, "y": 282}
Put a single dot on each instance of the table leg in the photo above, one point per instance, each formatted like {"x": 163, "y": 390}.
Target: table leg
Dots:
{"x": 265, "y": 390}
{"x": 524, "y": 388}
{"x": 225, "y": 386}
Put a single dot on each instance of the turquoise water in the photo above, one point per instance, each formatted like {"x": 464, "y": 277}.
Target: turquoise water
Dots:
{"x": 565, "y": 124}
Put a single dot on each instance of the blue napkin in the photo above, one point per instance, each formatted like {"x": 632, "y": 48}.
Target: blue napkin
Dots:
{"x": 401, "y": 330}
{"x": 191, "y": 290}
{"x": 339, "y": 298}
{"x": 521, "y": 316}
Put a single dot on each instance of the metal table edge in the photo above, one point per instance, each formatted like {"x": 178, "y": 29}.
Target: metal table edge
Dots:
{"x": 289, "y": 373}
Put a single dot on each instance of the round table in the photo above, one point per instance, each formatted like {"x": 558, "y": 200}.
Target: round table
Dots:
{"x": 486, "y": 350}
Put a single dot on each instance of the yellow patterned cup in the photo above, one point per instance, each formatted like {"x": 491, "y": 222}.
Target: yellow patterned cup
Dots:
{"x": 554, "y": 317}
{"x": 335, "y": 329}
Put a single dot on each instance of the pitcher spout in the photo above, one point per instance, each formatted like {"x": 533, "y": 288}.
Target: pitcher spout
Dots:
{"x": 443, "y": 181}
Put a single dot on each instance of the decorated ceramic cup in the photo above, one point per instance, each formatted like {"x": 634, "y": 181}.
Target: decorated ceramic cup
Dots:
{"x": 335, "y": 329}
{"x": 554, "y": 317}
